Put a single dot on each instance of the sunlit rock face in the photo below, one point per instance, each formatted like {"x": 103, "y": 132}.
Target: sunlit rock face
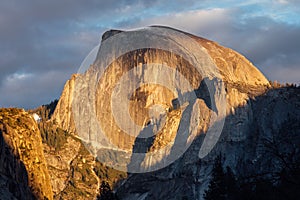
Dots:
{"x": 23, "y": 169}
{"x": 63, "y": 112}
{"x": 149, "y": 87}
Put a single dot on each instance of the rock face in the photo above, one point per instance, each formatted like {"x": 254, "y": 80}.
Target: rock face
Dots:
{"x": 63, "y": 116}
{"x": 253, "y": 111}
{"x": 23, "y": 169}
{"x": 213, "y": 60}
{"x": 71, "y": 169}
{"x": 95, "y": 99}
{"x": 234, "y": 68}
{"x": 254, "y": 141}
{"x": 259, "y": 137}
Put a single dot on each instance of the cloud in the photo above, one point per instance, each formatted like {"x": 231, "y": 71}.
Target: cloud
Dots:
{"x": 273, "y": 46}
{"x": 39, "y": 38}
{"x": 43, "y": 43}
{"x": 193, "y": 21}
{"x": 45, "y": 35}
{"x": 25, "y": 90}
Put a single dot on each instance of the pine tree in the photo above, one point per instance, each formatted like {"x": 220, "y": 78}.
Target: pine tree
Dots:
{"x": 231, "y": 187}
{"x": 106, "y": 192}
{"x": 223, "y": 185}
{"x": 216, "y": 187}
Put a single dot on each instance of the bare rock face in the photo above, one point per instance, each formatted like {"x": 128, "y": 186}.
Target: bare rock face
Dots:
{"x": 258, "y": 139}
{"x": 23, "y": 169}
{"x": 180, "y": 110}
{"x": 242, "y": 81}
{"x": 72, "y": 171}
{"x": 59, "y": 163}
{"x": 95, "y": 99}
{"x": 63, "y": 112}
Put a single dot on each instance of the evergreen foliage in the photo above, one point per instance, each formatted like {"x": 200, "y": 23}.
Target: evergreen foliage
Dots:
{"x": 223, "y": 184}
{"x": 106, "y": 192}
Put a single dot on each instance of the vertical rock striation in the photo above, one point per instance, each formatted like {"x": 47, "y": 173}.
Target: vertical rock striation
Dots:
{"x": 254, "y": 111}
{"x": 23, "y": 169}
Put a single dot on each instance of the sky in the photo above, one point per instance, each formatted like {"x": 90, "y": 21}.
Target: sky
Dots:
{"x": 42, "y": 43}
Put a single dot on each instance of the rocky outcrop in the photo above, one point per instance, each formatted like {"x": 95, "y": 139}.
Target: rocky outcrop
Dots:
{"x": 59, "y": 163}
{"x": 23, "y": 169}
{"x": 72, "y": 171}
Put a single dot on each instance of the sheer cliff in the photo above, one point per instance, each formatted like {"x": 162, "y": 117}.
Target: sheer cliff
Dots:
{"x": 242, "y": 80}
{"x": 23, "y": 168}
{"x": 254, "y": 112}
{"x": 259, "y": 142}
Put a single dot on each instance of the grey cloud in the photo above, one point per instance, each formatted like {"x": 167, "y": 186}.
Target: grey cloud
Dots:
{"x": 274, "y": 47}
{"x": 23, "y": 92}
{"x": 38, "y": 37}
{"x": 51, "y": 38}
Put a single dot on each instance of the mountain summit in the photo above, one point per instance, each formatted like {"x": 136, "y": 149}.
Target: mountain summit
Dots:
{"x": 147, "y": 86}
